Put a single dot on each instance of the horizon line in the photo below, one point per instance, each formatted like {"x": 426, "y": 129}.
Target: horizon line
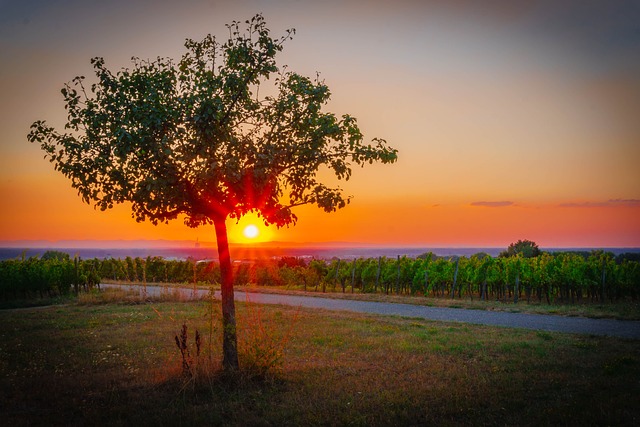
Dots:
{"x": 194, "y": 244}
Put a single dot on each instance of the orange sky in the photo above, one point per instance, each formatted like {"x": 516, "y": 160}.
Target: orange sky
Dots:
{"x": 517, "y": 120}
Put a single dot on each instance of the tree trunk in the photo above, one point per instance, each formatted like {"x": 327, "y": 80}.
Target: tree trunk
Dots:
{"x": 229, "y": 335}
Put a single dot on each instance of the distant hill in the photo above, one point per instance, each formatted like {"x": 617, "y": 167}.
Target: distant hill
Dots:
{"x": 163, "y": 243}
{"x": 105, "y": 244}
{"x": 183, "y": 249}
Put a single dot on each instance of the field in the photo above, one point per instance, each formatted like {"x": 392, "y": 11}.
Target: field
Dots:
{"x": 96, "y": 362}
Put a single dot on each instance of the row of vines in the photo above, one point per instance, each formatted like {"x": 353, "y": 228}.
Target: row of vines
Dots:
{"x": 551, "y": 278}
{"x": 54, "y": 274}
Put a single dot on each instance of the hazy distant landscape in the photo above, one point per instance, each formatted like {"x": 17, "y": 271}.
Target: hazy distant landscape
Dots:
{"x": 182, "y": 250}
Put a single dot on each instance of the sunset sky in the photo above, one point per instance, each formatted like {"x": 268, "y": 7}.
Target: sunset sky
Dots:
{"x": 513, "y": 119}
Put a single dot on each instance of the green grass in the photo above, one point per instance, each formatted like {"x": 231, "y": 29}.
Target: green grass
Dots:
{"x": 34, "y": 302}
{"x": 118, "y": 364}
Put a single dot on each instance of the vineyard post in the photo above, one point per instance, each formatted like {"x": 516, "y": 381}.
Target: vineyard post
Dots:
{"x": 195, "y": 277}
{"x": 304, "y": 281}
{"x": 144, "y": 279}
{"x": 398, "y": 276}
{"x": 455, "y": 279}
{"x": 378, "y": 274}
{"x": 426, "y": 281}
{"x": 75, "y": 273}
{"x": 604, "y": 275}
{"x": 353, "y": 274}
{"x": 505, "y": 281}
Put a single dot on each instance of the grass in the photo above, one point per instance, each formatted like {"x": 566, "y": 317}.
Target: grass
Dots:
{"x": 34, "y": 302}
{"x": 134, "y": 295}
{"x": 104, "y": 362}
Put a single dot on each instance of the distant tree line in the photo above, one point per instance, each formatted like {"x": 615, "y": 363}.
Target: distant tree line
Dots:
{"x": 563, "y": 277}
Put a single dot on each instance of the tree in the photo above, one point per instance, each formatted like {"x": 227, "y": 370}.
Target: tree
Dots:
{"x": 60, "y": 256}
{"x": 221, "y": 133}
{"x": 526, "y": 248}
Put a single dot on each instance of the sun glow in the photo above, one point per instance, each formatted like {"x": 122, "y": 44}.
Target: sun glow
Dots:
{"x": 251, "y": 231}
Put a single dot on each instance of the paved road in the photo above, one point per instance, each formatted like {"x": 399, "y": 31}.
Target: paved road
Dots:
{"x": 578, "y": 325}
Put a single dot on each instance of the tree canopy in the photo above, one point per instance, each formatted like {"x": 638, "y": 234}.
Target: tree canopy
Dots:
{"x": 525, "y": 248}
{"x": 198, "y": 138}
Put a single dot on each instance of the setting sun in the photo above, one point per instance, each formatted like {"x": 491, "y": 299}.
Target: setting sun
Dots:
{"x": 251, "y": 231}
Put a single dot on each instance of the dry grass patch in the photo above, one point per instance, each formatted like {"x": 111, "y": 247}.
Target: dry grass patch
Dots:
{"x": 622, "y": 309}
{"x": 136, "y": 294}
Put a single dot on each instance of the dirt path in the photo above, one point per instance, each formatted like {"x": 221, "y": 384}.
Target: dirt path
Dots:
{"x": 578, "y": 325}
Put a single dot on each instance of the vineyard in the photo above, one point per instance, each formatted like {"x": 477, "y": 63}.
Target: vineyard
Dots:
{"x": 562, "y": 277}
{"x": 51, "y": 275}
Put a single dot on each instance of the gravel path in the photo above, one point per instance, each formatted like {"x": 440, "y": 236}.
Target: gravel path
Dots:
{"x": 578, "y": 325}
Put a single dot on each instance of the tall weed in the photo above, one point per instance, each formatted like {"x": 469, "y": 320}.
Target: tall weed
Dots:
{"x": 261, "y": 347}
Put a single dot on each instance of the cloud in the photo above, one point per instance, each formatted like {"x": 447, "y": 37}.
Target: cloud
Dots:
{"x": 493, "y": 204}
{"x": 583, "y": 205}
{"x": 634, "y": 203}
{"x": 629, "y": 203}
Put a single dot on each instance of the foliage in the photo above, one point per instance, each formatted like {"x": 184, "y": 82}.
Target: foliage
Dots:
{"x": 561, "y": 277}
{"x": 198, "y": 137}
{"x": 525, "y": 248}
{"x": 46, "y": 277}
{"x": 51, "y": 254}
